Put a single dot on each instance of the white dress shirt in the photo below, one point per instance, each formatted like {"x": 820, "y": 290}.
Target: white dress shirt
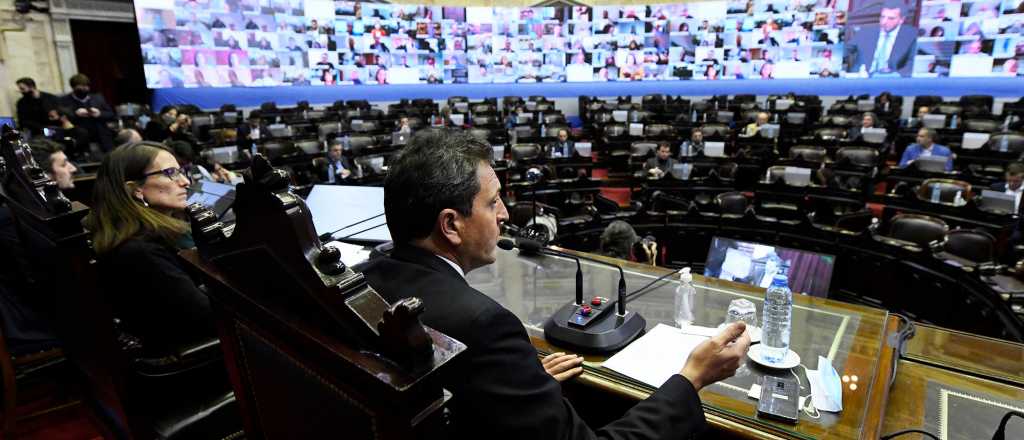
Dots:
{"x": 453, "y": 265}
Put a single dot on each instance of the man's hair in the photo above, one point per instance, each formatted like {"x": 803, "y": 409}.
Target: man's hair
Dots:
{"x": 617, "y": 239}
{"x": 336, "y": 141}
{"x": 167, "y": 108}
{"x": 437, "y": 170}
{"x": 664, "y": 145}
{"x": 928, "y": 132}
{"x": 43, "y": 150}
{"x": 79, "y": 79}
{"x": 124, "y": 136}
{"x": 1015, "y": 169}
{"x": 28, "y": 82}
{"x": 895, "y": 4}
{"x": 872, "y": 115}
{"x": 697, "y": 129}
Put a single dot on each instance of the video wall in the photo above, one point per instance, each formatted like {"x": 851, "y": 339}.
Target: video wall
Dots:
{"x": 253, "y": 43}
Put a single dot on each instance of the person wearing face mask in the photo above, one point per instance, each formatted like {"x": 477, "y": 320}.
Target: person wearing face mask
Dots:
{"x": 33, "y": 107}
{"x": 62, "y": 130}
{"x": 157, "y": 129}
{"x": 89, "y": 111}
{"x": 137, "y": 224}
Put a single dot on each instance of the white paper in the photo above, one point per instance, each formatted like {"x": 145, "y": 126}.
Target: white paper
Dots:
{"x": 656, "y": 356}
{"x": 636, "y": 129}
{"x": 736, "y": 263}
{"x": 351, "y": 254}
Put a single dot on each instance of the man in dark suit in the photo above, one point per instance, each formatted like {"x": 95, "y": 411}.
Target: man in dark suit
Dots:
{"x": 250, "y": 133}
{"x": 662, "y": 162}
{"x": 563, "y": 147}
{"x": 444, "y": 211}
{"x": 89, "y": 111}
{"x": 33, "y": 106}
{"x": 1014, "y": 183}
{"x": 886, "y": 48}
{"x": 337, "y": 168}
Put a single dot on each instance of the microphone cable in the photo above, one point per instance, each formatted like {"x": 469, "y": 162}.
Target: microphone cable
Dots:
{"x": 641, "y": 291}
{"x": 330, "y": 235}
{"x": 364, "y": 230}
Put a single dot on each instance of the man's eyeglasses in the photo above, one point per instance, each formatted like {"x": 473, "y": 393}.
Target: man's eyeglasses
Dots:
{"x": 170, "y": 173}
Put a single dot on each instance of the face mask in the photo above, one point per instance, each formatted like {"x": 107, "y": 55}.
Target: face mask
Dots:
{"x": 80, "y": 94}
{"x": 826, "y": 388}
{"x": 168, "y": 119}
{"x": 26, "y": 94}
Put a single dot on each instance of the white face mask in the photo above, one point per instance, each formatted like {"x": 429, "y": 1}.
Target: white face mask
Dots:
{"x": 826, "y": 388}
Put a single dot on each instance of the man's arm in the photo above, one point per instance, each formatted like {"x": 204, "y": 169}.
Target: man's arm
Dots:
{"x": 106, "y": 113}
{"x": 908, "y": 155}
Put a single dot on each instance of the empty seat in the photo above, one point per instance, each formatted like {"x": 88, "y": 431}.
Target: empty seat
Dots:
{"x": 858, "y": 156}
{"x": 808, "y": 153}
{"x": 830, "y": 133}
{"x": 920, "y": 230}
{"x": 1007, "y": 142}
{"x": 659, "y": 130}
{"x": 276, "y": 150}
{"x": 551, "y": 131}
{"x": 357, "y": 143}
{"x": 641, "y": 149}
{"x": 732, "y": 203}
{"x": 525, "y": 151}
{"x": 329, "y": 129}
{"x": 484, "y": 120}
{"x": 526, "y": 131}
{"x": 309, "y": 146}
{"x": 615, "y": 130}
{"x": 976, "y": 246}
{"x": 796, "y": 118}
{"x": 949, "y": 109}
{"x": 715, "y": 130}
{"x": 981, "y": 125}
{"x": 553, "y": 118}
{"x": 724, "y": 116}
{"x": 947, "y": 190}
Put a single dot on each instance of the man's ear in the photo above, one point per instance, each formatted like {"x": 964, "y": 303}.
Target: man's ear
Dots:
{"x": 450, "y": 224}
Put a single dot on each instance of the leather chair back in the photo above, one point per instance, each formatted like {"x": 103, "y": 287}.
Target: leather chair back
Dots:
{"x": 481, "y": 120}
{"x": 718, "y": 131}
{"x": 858, "y": 156}
{"x": 981, "y": 125}
{"x": 642, "y": 149}
{"x": 830, "y": 133}
{"x": 977, "y": 101}
{"x": 615, "y": 130}
{"x": 949, "y": 109}
{"x": 551, "y": 131}
{"x": 796, "y": 118}
{"x": 808, "y": 153}
{"x": 274, "y": 150}
{"x": 1009, "y": 142}
{"x": 480, "y": 133}
{"x": 360, "y": 142}
{"x": 525, "y": 151}
{"x": 724, "y": 117}
{"x": 659, "y": 130}
{"x": 974, "y": 245}
{"x": 732, "y": 203}
{"x": 948, "y": 189}
{"x": 918, "y": 229}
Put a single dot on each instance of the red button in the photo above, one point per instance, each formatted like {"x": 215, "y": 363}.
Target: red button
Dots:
{"x": 585, "y": 310}
{"x": 596, "y": 301}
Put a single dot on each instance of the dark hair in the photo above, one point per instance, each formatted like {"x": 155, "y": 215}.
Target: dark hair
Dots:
{"x": 437, "y": 170}
{"x": 124, "y": 136}
{"x": 895, "y": 4}
{"x": 167, "y": 109}
{"x": 79, "y": 79}
{"x": 617, "y": 240}
{"x": 28, "y": 82}
{"x": 43, "y": 150}
{"x": 182, "y": 151}
{"x": 1015, "y": 169}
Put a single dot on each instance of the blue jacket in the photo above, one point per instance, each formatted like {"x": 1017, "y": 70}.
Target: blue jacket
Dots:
{"x": 914, "y": 151}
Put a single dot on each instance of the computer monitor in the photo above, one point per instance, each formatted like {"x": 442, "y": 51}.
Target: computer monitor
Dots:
{"x": 933, "y": 121}
{"x": 399, "y": 138}
{"x": 810, "y": 273}
{"x": 336, "y": 206}
{"x": 932, "y": 164}
{"x": 998, "y": 201}
{"x": 714, "y": 149}
{"x": 584, "y": 148}
{"x": 873, "y": 135}
{"x": 7, "y": 120}
{"x": 974, "y": 141}
{"x": 218, "y": 197}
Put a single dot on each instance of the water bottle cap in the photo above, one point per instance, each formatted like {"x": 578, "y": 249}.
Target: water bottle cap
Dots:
{"x": 685, "y": 275}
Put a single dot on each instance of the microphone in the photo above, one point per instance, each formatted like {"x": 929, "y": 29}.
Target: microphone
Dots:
{"x": 533, "y": 247}
{"x": 585, "y": 327}
{"x": 328, "y": 236}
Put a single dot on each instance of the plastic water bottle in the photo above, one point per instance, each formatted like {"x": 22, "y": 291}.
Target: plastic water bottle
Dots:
{"x": 685, "y": 295}
{"x": 952, "y": 121}
{"x": 777, "y": 318}
{"x": 936, "y": 194}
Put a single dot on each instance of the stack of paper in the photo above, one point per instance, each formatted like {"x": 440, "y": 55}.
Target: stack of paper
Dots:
{"x": 659, "y": 354}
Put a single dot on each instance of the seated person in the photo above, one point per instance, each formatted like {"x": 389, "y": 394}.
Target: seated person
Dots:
{"x": 338, "y": 168}
{"x": 136, "y": 222}
{"x": 868, "y": 120}
{"x": 444, "y": 210}
{"x": 186, "y": 157}
{"x": 65, "y": 132}
{"x": 403, "y": 125}
{"x": 1012, "y": 185}
{"x": 753, "y": 127}
{"x": 563, "y": 146}
{"x": 49, "y": 155}
{"x": 662, "y": 162}
{"x": 127, "y": 136}
{"x": 918, "y": 117}
{"x": 157, "y": 129}
{"x": 924, "y": 147}
{"x": 694, "y": 145}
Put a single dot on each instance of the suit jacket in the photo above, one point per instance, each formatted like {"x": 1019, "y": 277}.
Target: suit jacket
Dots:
{"x": 324, "y": 168}
{"x": 97, "y": 127}
{"x": 557, "y": 146}
{"x": 33, "y": 113}
{"x": 500, "y": 389}
{"x": 914, "y": 151}
{"x": 998, "y": 186}
{"x": 865, "y": 41}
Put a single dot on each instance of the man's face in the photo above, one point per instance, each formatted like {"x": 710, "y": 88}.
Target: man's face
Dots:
{"x": 334, "y": 153}
{"x": 403, "y": 122}
{"x": 63, "y": 169}
{"x": 664, "y": 153}
{"x": 563, "y": 135}
{"x": 1013, "y": 181}
{"x": 922, "y": 111}
{"x": 867, "y": 121}
{"x": 23, "y": 89}
{"x": 890, "y": 19}
{"x": 762, "y": 118}
{"x": 696, "y": 136}
{"x": 479, "y": 232}
{"x": 82, "y": 89}
{"x": 924, "y": 138}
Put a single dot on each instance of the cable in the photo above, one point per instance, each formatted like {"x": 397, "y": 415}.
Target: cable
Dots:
{"x": 907, "y": 431}
{"x": 636, "y": 293}
{"x": 1001, "y": 432}
{"x": 903, "y": 334}
{"x": 364, "y": 230}
{"x": 330, "y": 235}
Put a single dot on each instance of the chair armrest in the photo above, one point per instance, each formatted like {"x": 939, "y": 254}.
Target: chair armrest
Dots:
{"x": 181, "y": 359}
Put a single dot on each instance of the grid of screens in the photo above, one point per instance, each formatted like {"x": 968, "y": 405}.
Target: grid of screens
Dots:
{"x": 241, "y": 43}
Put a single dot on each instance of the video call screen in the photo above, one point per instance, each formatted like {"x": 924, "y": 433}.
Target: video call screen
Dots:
{"x": 757, "y": 264}
{"x": 253, "y": 43}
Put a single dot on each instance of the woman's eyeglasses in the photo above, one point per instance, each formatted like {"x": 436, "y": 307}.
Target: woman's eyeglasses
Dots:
{"x": 170, "y": 173}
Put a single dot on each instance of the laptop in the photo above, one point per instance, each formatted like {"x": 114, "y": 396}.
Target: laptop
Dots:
{"x": 933, "y": 121}
{"x": 584, "y": 148}
{"x": 873, "y": 135}
{"x": 714, "y": 149}
{"x": 933, "y": 164}
{"x": 865, "y": 105}
{"x": 636, "y": 129}
{"x": 498, "y": 151}
{"x": 770, "y": 131}
{"x": 458, "y": 119}
{"x": 797, "y": 176}
{"x": 998, "y": 201}
{"x": 620, "y": 115}
{"x": 218, "y": 197}
{"x": 681, "y": 171}
{"x": 399, "y": 138}
{"x": 974, "y": 141}
{"x": 783, "y": 104}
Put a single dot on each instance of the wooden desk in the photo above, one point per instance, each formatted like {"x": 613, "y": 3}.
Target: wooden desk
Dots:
{"x": 978, "y": 356}
{"x": 853, "y": 337}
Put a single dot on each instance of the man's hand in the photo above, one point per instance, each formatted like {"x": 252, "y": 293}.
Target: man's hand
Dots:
{"x": 94, "y": 112}
{"x": 345, "y": 173}
{"x": 563, "y": 366}
{"x": 718, "y": 357}
{"x": 82, "y": 112}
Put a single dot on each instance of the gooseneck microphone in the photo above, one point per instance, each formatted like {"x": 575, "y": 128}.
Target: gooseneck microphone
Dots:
{"x": 586, "y": 326}
{"x": 530, "y": 246}
{"x": 329, "y": 236}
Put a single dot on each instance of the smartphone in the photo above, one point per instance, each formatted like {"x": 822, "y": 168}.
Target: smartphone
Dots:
{"x": 779, "y": 399}
{"x": 47, "y": 132}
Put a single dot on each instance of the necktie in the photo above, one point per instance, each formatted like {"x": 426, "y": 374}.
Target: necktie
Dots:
{"x": 882, "y": 52}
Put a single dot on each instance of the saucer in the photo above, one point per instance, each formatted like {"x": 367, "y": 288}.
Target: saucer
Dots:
{"x": 756, "y": 354}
